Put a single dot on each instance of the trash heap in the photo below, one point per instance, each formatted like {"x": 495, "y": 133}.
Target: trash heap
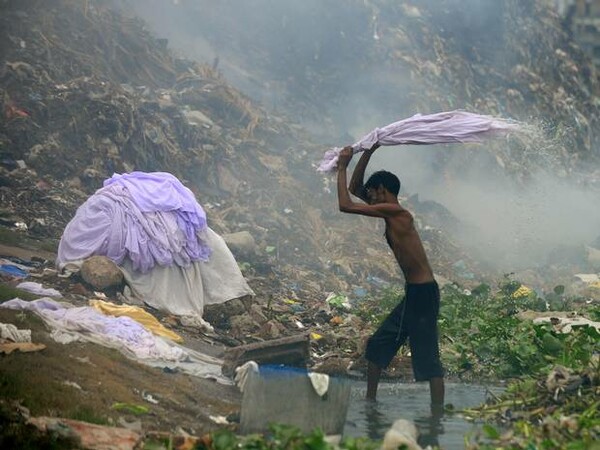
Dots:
{"x": 339, "y": 65}
{"x": 557, "y": 410}
{"x": 87, "y": 92}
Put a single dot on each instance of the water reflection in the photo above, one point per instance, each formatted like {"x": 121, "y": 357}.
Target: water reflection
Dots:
{"x": 412, "y": 402}
{"x": 430, "y": 428}
{"x": 376, "y": 421}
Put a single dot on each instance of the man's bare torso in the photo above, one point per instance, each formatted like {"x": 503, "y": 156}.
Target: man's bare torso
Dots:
{"x": 404, "y": 240}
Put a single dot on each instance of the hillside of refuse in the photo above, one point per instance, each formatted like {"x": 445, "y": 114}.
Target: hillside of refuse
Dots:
{"x": 88, "y": 91}
{"x": 239, "y": 101}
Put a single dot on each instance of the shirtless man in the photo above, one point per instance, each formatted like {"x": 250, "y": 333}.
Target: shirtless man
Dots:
{"x": 416, "y": 316}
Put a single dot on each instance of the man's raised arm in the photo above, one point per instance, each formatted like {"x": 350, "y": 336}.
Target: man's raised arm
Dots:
{"x": 357, "y": 182}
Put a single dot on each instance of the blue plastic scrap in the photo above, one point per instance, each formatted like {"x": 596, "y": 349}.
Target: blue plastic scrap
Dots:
{"x": 13, "y": 271}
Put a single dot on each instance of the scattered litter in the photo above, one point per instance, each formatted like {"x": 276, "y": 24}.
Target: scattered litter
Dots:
{"x": 24, "y": 347}
{"x": 588, "y": 278}
{"x": 72, "y": 384}
{"x": 88, "y": 435}
{"x": 10, "y": 332}
{"x": 149, "y": 398}
{"x": 13, "y": 271}
{"x": 566, "y": 324}
{"x": 196, "y": 322}
{"x": 138, "y": 410}
{"x": 134, "y": 425}
{"x": 38, "y": 289}
{"x": 83, "y": 360}
{"x": 220, "y": 420}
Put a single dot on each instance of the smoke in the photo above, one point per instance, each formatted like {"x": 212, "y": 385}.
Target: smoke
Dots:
{"x": 507, "y": 223}
{"x": 315, "y": 62}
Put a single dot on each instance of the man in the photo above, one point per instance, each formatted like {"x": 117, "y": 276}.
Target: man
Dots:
{"x": 416, "y": 316}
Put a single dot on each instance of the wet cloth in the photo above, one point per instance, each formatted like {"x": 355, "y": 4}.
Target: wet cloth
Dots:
{"x": 71, "y": 323}
{"x": 440, "y": 128}
{"x": 141, "y": 316}
{"x": 414, "y": 318}
{"x": 150, "y": 218}
{"x": 8, "y": 332}
{"x": 185, "y": 291}
{"x": 37, "y": 288}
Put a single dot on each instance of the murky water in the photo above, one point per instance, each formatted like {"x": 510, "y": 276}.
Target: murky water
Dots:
{"x": 412, "y": 402}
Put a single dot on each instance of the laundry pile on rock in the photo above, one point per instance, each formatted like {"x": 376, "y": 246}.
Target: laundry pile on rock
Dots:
{"x": 153, "y": 228}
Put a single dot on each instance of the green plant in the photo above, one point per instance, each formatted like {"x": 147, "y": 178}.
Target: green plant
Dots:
{"x": 374, "y": 309}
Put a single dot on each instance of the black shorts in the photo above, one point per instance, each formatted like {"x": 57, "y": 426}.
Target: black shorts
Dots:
{"x": 414, "y": 318}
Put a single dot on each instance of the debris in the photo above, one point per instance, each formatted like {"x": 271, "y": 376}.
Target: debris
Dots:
{"x": 38, "y": 289}
{"x": 89, "y": 436}
{"x": 292, "y": 351}
{"x": 137, "y": 410}
{"x": 24, "y": 347}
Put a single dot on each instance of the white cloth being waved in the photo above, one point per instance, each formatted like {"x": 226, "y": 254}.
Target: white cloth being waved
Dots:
{"x": 440, "y": 128}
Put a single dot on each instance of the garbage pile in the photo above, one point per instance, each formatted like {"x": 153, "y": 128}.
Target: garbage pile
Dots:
{"x": 87, "y": 92}
{"x": 339, "y": 65}
{"x": 561, "y": 409}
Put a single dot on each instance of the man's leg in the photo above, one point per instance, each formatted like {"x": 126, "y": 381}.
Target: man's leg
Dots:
{"x": 373, "y": 375}
{"x": 436, "y": 388}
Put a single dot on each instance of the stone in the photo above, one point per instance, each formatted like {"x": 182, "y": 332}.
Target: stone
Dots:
{"x": 271, "y": 330}
{"x": 219, "y": 314}
{"x": 101, "y": 273}
{"x": 242, "y": 325}
{"x": 241, "y": 243}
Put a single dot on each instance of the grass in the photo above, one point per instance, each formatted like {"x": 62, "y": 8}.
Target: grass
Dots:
{"x": 8, "y": 293}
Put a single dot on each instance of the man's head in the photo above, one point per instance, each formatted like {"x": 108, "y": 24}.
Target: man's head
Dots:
{"x": 380, "y": 183}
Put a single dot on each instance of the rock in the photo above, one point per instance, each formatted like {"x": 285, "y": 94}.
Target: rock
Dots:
{"x": 241, "y": 242}
{"x": 242, "y": 325}
{"x": 100, "y": 272}
{"x": 219, "y": 314}
{"x": 257, "y": 314}
{"x": 271, "y": 330}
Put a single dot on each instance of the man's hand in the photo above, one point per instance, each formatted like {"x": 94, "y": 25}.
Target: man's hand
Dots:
{"x": 345, "y": 157}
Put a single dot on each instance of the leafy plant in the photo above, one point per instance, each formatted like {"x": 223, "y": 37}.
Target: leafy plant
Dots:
{"x": 282, "y": 437}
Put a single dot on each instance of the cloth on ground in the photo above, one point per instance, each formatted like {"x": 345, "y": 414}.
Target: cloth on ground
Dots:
{"x": 123, "y": 333}
{"x": 185, "y": 291}
{"x": 138, "y": 314}
{"x": 9, "y": 332}
{"x": 438, "y": 128}
{"x": 320, "y": 382}
{"x": 242, "y": 372}
{"x": 37, "y": 288}
{"x": 167, "y": 229}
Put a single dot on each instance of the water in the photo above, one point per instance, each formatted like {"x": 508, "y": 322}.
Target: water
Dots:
{"x": 411, "y": 402}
